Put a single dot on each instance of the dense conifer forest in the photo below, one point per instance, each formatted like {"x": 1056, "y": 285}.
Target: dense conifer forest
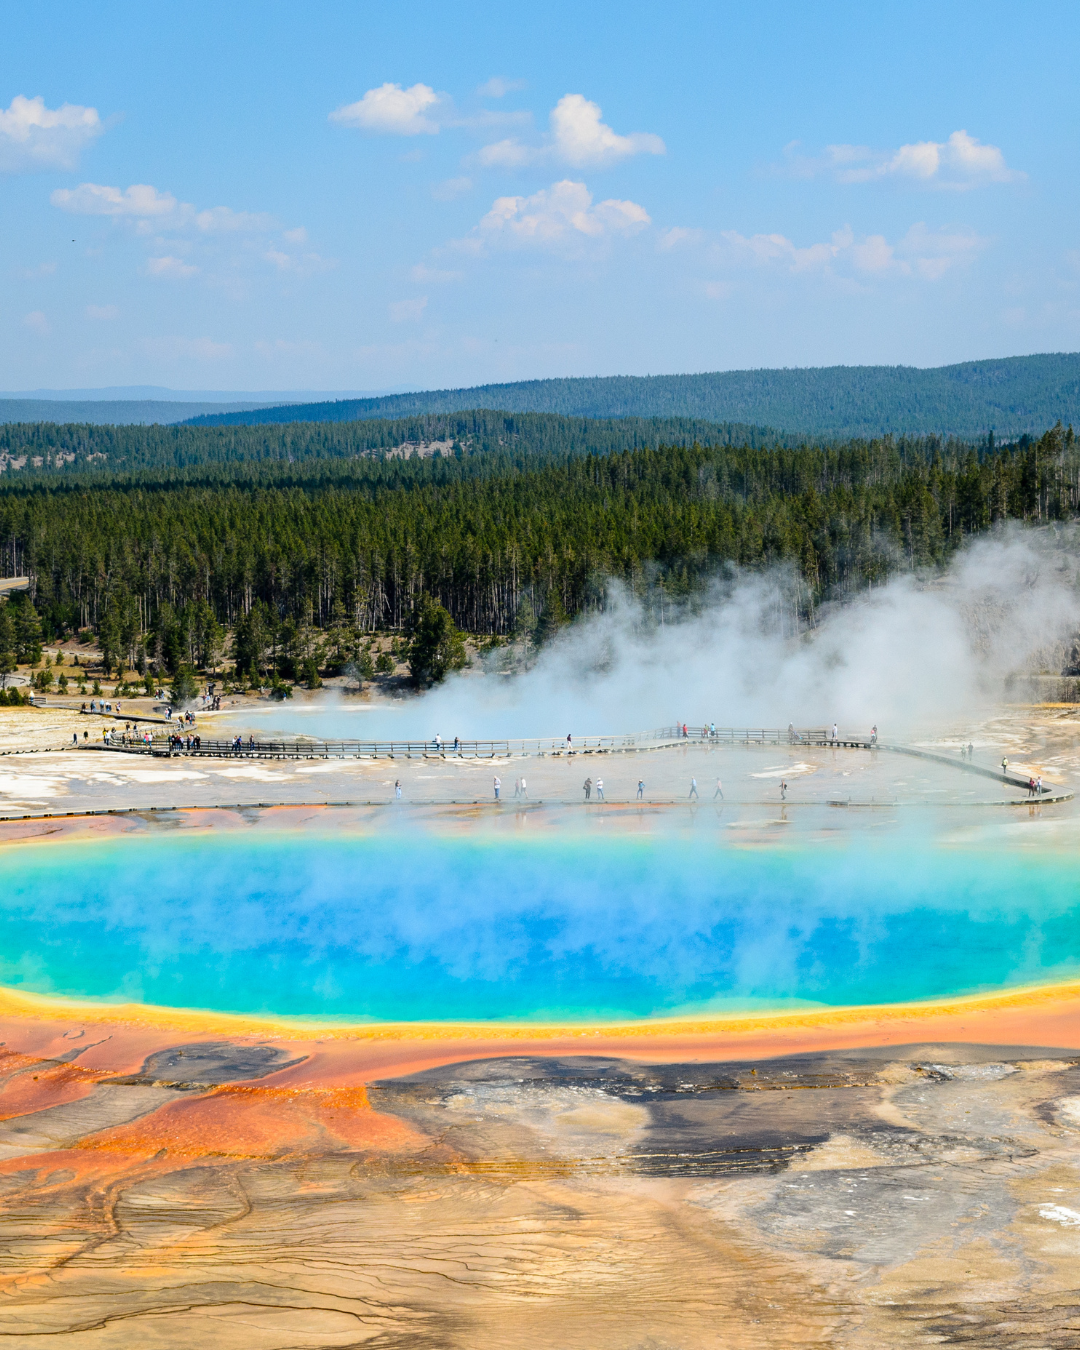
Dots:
{"x": 164, "y": 560}
{"x": 1011, "y": 396}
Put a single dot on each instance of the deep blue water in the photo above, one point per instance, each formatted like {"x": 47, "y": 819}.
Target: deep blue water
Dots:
{"x": 418, "y": 925}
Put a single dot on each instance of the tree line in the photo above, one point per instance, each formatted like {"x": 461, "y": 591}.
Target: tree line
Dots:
{"x": 324, "y": 552}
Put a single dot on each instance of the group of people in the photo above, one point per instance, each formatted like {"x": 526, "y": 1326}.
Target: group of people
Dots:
{"x": 521, "y": 789}
{"x": 186, "y": 744}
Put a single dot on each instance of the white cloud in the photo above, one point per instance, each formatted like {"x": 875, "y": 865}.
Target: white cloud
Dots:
{"x": 583, "y": 140}
{"x": 93, "y": 199}
{"x": 301, "y": 264}
{"x": 102, "y": 312}
{"x": 404, "y": 311}
{"x": 37, "y": 323}
{"x": 224, "y": 220}
{"x": 392, "y": 110}
{"x": 956, "y": 164}
{"x": 923, "y": 253}
{"x": 35, "y": 137}
{"x": 297, "y": 236}
{"x": 578, "y": 137}
{"x": 508, "y": 154}
{"x": 431, "y": 276}
{"x": 169, "y": 266}
{"x": 679, "y": 234}
{"x": 451, "y": 188}
{"x": 554, "y": 216}
{"x": 497, "y": 87}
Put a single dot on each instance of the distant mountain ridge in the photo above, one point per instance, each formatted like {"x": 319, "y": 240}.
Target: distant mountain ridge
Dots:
{"x": 1010, "y": 396}
{"x": 112, "y": 412}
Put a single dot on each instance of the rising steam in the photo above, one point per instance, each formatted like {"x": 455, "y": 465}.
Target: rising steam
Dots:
{"x": 919, "y": 650}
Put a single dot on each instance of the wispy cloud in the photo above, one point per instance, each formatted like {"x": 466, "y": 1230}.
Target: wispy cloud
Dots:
{"x": 174, "y": 229}
{"x": 578, "y": 137}
{"x": 921, "y": 253}
{"x": 392, "y": 110}
{"x": 171, "y": 267}
{"x": 433, "y": 276}
{"x": 498, "y": 87}
{"x": 139, "y": 201}
{"x": 102, "y": 312}
{"x": 554, "y": 217}
{"x": 37, "y": 323}
{"x": 956, "y": 164}
{"x": 33, "y": 136}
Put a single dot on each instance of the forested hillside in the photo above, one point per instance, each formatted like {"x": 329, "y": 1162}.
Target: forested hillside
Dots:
{"x": 1013, "y": 396}
{"x": 351, "y": 545}
{"x": 45, "y": 448}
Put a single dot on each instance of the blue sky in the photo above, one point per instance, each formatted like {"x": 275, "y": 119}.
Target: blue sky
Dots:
{"x": 360, "y": 196}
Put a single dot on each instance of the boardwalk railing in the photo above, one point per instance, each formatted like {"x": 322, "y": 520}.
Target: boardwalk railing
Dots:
{"x": 191, "y": 743}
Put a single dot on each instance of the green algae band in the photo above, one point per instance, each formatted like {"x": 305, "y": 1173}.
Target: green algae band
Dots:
{"x": 428, "y": 927}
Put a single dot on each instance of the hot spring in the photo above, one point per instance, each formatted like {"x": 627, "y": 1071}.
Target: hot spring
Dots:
{"x": 414, "y": 924}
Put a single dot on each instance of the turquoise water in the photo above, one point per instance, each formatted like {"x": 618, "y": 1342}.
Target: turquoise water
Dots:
{"x": 415, "y": 925}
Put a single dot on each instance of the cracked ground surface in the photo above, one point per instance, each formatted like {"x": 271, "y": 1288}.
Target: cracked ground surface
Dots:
{"x": 228, "y": 1192}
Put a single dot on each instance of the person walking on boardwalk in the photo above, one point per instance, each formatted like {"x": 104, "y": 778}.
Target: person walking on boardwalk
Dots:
{"x": 791, "y": 733}
{"x": 783, "y": 790}
{"x": 873, "y": 734}
{"x": 640, "y": 788}
{"x": 971, "y": 751}
{"x": 834, "y": 731}
{"x": 457, "y": 744}
{"x": 517, "y": 788}
{"x": 524, "y": 790}
{"x": 719, "y": 791}
{"x": 587, "y": 785}
{"x": 397, "y": 789}
{"x": 1004, "y": 765}
{"x": 1038, "y": 786}
{"x": 693, "y": 796}
{"x": 600, "y": 790}
{"x": 498, "y": 786}
{"x": 569, "y": 743}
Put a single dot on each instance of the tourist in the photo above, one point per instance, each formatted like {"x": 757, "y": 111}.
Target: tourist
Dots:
{"x": 783, "y": 790}
{"x": 74, "y": 738}
{"x": 712, "y": 729}
{"x": 971, "y": 750}
{"x": 719, "y": 791}
{"x": 1004, "y": 766}
{"x": 524, "y": 789}
{"x": 397, "y": 788}
{"x": 498, "y": 786}
{"x": 587, "y": 785}
{"x": 873, "y": 735}
{"x": 569, "y": 744}
{"x": 1038, "y": 786}
{"x": 834, "y": 731}
{"x": 791, "y": 733}
{"x": 457, "y": 744}
{"x": 640, "y": 788}
{"x": 684, "y": 731}
{"x": 517, "y": 788}
{"x": 693, "y": 796}
{"x": 600, "y": 789}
